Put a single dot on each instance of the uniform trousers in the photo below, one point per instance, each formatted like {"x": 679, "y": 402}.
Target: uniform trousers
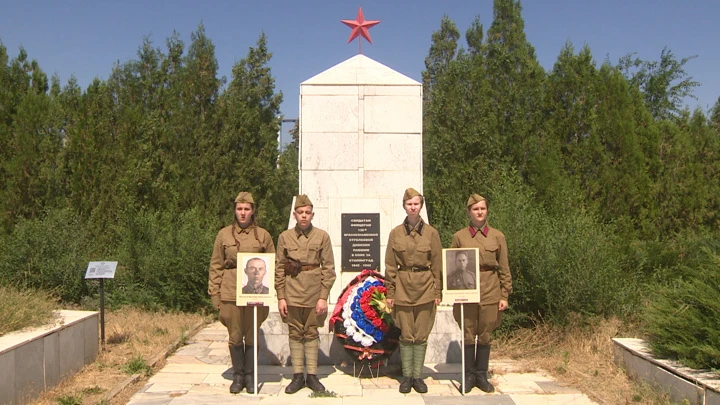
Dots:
{"x": 480, "y": 321}
{"x": 303, "y": 323}
{"x": 415, "y": 322}
{"x": 239, "y": 322}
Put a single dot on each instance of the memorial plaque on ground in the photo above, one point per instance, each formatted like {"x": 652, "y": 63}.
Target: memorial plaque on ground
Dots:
{"x": 360, "y": 242}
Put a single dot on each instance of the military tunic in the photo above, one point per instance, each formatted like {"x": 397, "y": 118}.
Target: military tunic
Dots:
{"x": 222, "y": 281}
{"x": 413, "y": 268}
{"x": 313, "y": 250}
{"x": 495, "y": 281}
{"x": 461, "y": 280}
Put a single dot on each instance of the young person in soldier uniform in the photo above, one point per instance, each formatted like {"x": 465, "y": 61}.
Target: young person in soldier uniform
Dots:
{"x": 244, "y": 235}
{"x": 413, "y": 268}
{"x": 495, "y": 288}
{"x": 304, "y": 275}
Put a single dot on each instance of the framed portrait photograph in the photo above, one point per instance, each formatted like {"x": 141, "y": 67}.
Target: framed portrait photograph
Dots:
{"x": 255, "y": 278}
{"x": 461, "y": 275}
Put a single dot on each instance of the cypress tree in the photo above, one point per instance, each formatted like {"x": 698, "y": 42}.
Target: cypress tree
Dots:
{"x": 245, "y": 152}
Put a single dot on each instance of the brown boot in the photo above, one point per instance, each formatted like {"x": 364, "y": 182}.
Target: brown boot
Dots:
{"x": 237, "y": 356}
{"x": 314, "y": 383}
{"x": 406, "y": 385}
{"x": 482, "y": 361}
{"x": 419, "y": 386}
{"x": 469, "y": 367}
{"x": 250, "y": 384}
{"x": 297, "y": 383}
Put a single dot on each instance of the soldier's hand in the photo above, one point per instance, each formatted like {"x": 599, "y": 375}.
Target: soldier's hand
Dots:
{"x": 215, "y": 300}
{"x": 502, "y": 305}
{"x": 390, "y": 302}
{"x": 437, "y": 301}
{"x": 321, "y": 307}
{"x": 282, "y": 307}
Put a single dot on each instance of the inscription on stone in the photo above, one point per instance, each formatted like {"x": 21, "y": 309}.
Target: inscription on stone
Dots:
{"x": 360, "y": 242}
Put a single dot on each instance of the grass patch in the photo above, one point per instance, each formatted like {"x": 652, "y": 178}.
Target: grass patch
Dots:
{"x": 579, "y": 354}
{"x": 323, "y": 394}
{"x": 69, "y": 400}
{"x": 25, "y": 309}
{"x": 93, "y": 390}
{"x": 137, "y": 365}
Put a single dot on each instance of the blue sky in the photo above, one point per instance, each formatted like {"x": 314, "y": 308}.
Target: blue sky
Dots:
{"x": 85, "y": 38}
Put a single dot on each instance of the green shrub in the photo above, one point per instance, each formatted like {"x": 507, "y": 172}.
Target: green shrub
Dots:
{"x": 49, "y": 253}
{"x": 683, "y": 317}
{"x": 163, "y": 261}
{"x": 563, "y": 261}
{"x": 162, "y": 258}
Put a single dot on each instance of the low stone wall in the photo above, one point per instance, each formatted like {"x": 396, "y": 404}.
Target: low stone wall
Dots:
{"x": 273, "y": 349}
{"x": 35, "y": 360}
{"x": 680, "y": 383}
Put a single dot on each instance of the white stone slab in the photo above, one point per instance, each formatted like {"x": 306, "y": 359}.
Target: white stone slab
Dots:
{"x": 329, "y": 90}
{"x": 328, "y": 114}
{"x": 393, "y": 152}
{"x": 378, "y": 182}
{"x": 91, "y": 335}
{"x": 29, "y": 372}
{"x": 639, "y": 362}
{"x": 559, "y": 399}
{"x": 330, "y": 151}
{"x": 51, "y": 347}
{"x": 385, "y": 90}
{"x": 320, "y": 185}
{"x": 393, "y": 114}
{"x": 73, "y": 353}
{"x": 7, "y": 383}
{"x": 360, "y": 70}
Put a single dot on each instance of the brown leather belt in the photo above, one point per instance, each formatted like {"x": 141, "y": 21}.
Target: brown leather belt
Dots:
{"x": 488, "y": 268}
{"x": 414, "y": 268}
{"x": 306, "y": 267}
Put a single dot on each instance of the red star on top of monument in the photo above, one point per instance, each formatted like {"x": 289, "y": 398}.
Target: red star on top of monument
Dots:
{"x": 360, "y": 27}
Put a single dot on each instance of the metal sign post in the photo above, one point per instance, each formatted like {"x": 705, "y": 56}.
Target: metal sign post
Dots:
{"x": 102, "y": 311}
{"x": 101, "y": 270}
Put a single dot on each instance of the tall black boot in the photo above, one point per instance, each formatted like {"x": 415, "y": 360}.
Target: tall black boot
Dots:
{"x": 237, "y": 356}
{"x": 469, "y": 367}
{"x": 482, "y": 359}
{"x": 250, "y": 370}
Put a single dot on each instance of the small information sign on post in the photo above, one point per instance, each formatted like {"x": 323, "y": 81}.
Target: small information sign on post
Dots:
{"x": 101, "y": 270}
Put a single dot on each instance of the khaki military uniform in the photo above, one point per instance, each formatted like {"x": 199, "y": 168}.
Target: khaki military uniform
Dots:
{"x": 495, "y": 281}
{"x": 313, "y": 250}
{"x": 222, "y": 282}
{"x": 461, "y": 280}
{"x": 413, "y": 268}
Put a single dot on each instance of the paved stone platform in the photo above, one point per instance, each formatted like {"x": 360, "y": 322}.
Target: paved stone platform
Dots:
{"x": 200, "y": 373}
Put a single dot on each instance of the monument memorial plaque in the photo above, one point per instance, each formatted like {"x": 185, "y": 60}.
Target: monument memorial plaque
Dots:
{"x": 360, "y": 242}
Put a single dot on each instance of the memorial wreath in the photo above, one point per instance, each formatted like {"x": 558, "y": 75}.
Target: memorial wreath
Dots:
{"x": 362, "y": 321}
